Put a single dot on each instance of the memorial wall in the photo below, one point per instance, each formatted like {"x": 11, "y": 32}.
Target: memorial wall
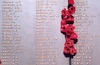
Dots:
{"x": 30, "y": 32}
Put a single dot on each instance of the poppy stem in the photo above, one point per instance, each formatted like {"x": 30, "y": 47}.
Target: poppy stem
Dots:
{"x": 70, "y": 61}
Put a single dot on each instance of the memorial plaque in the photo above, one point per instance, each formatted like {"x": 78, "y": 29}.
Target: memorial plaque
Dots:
{"x": 30, "y": 32}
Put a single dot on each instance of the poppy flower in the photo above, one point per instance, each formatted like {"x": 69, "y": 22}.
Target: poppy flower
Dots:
{"x": 69, "y": 43}
{"x": 63, "y": 23}
{"x": 62, "y": 29}
{"x": 70, "y": 19}
{"x": 66, "y": 50}
{"x": 72, "y": 10}
{"x": 69, "y": 29}
{"x": 73, "y": 51}
{"x": 64, "y": 12}
{"x": 66, "y": 45}
{"x": 71, "y": 2}
{"x": 73, "y": 36}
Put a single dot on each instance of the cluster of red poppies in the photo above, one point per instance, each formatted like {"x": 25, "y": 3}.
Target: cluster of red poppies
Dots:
{"x": 68, "y": 29}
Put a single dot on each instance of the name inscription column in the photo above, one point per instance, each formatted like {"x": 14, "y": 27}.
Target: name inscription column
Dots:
{"x": 46, "y": 49}
{"x": 11, "y": 38}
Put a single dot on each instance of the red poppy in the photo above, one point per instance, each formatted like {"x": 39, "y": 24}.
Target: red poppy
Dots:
{"x": 66, "y": 45}
{"x": 63, "y": 23}
{"x": 72, "y": 10}
{"x": 69, "y": 43}
{"x": 64, "y": 12}
{"x": 70, "y": 19}
{"x": 71, "y": 2}
{"x": 69, "y": 29}
{"x": 62, "y": 29}
{"x": 73, "y": 51}
{"x": 66, "y": 50}
{"x": 67, "y": 13}
{"x": 73, "y": 36}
